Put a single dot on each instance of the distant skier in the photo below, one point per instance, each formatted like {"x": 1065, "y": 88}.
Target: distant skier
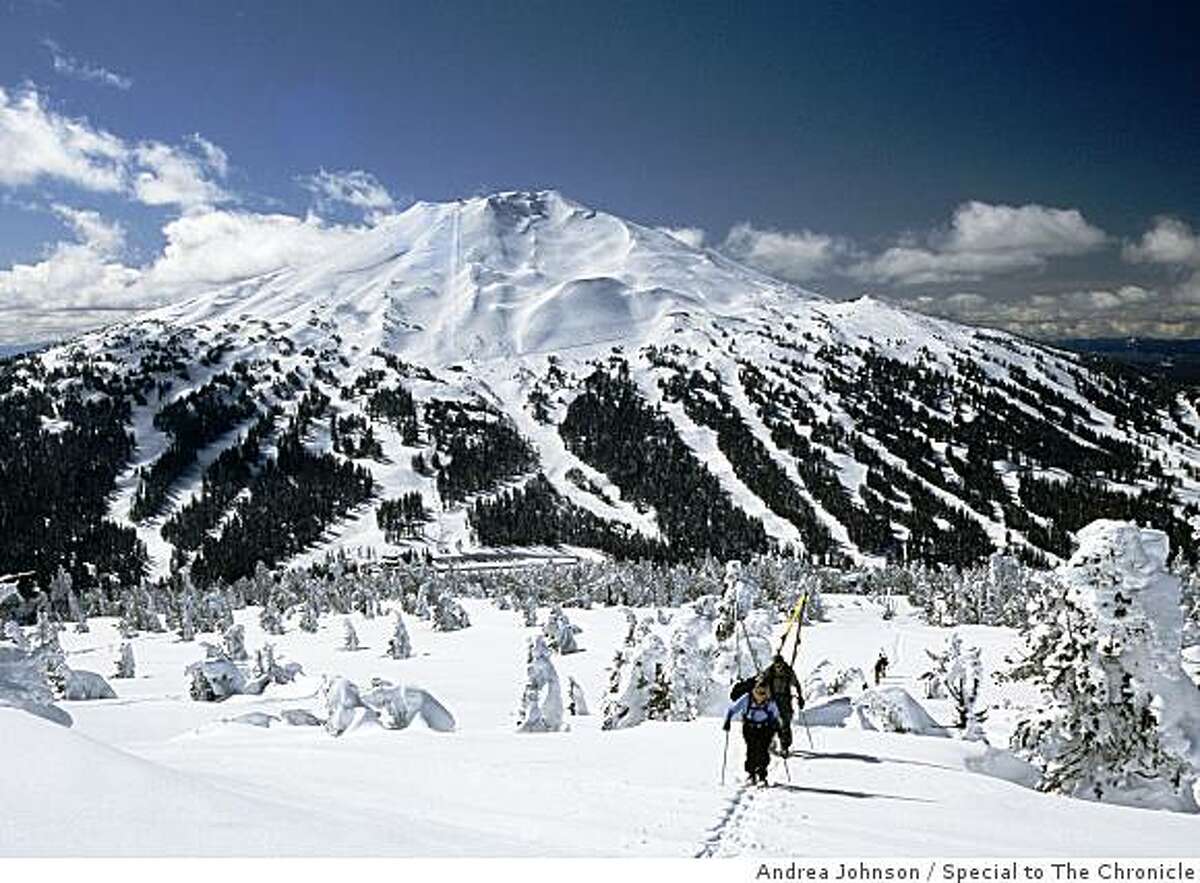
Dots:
{"x": 760, "y": 720}
{"x": 781, "y": 681}
{"x": 881, "y": 666}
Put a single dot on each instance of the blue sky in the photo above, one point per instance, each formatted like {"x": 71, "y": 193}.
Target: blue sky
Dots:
{"x": 1027, "y": 165}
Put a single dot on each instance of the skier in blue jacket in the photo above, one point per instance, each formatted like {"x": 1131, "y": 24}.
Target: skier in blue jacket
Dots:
{"x": 760, "y": 721}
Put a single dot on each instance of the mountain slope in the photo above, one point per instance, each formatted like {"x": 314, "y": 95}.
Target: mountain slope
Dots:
{"x": 405, "y": 391}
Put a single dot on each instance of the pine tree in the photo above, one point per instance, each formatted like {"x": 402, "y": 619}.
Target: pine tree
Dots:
{"x": 399, "y": 646}
{"x": 1103, "y": 648}
{"x": 234, "y": 640}
{"x": 577, "y": 704}
{"x": 125, "y": 664}
{"x": 541, "y": 700}
{"x": 350, "y": 639}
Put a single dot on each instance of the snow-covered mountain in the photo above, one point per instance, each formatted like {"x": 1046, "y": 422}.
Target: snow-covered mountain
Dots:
{"x": 519, "y": 370}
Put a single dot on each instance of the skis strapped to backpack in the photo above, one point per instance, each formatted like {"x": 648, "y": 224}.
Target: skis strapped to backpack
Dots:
{"x": 796, "y": 619}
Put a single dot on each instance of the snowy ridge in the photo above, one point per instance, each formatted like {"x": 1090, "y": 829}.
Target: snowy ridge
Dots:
{"x": 507, "y": 303}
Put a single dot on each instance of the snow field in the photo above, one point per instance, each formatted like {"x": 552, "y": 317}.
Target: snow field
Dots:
{"x": 155, "y": 773}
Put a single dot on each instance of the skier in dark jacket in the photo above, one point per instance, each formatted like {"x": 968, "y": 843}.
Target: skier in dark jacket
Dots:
{"x": 781, "y": 681}
{"x": 881, "y": 667}
{"x": 760, "y": 720}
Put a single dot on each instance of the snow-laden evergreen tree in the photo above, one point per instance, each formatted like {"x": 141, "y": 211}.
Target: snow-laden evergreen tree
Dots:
{"x": 956, "y": 673}
{"x": 541, "y": 701}
{"x": 559, "y": 633}
{"x": 1189, "y": 601}
{"x": 399, "y": 646}
{"x": 23, "y": 684}
{"x": 13, "y": 632}
{"x": 963, "y": 682}
{"x": 234, "y": 641}
{"x": 448, "y": 614}
{"x": 47, "y": 627}
{"x": 267, "y": 669}
{"x": 350, "y": 637}
{"x": 529, "y": 610}
{"x": 128, "y": 624}
{"x": 309, "y": 619}
{"x": 690, "y": 682}
{"x": 417, "y": 604}
{"x": 125, "y": 663}
{"x": 738, "y": 598}
{"x": 219, "y": 610}
{"x": 187, "y": 608}
{"x": 61, "y": 585}
{"x": 50, "y": 653}
{"x": 269, "y": 618}
{"x": 1119, "y": 720}
{"x": 577, "y": 701}
{"x": 77, "y": 613}
{"x": 636, "y": 681}
{"x": 344, "y": 707}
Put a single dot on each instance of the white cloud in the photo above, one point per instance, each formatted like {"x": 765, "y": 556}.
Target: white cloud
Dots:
{"x": 794, "y": 256}
{"x": 1106, "y": 312}
{"x": 36, "y": 143}
{"x": 214, "y": 157}
{"x": 73, "y": 280}
{"x": 1029, "y": 229}
{"x": 67, "y": 65}
{"x": 216, "y": 247}
{"x": 984, "y": 240}
{"x": 167, "y": 176}
{"x": 1170, "y": 241}
{"x": 80, "y": 284}
{"x": 356, "y": 188}
{"x": 39, "y": 144}
{"x": 92, "y": 229}
{"x": 690, "y": 236}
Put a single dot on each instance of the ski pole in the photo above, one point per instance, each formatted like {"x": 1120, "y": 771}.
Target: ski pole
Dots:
{"x": 724, "y": 757}
{"x": 807, "y": 731}
{"x": 753, "y": 657}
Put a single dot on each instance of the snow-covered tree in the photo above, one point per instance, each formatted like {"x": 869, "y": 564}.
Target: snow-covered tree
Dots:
{"x": 61, "y": 585}
{"x": 636, "y": 683}
{"x": 344, "y": 707}
{"x": 23, "y": 685}
{"x": 234, "y": 641}
{"x": 559, "y": 633}
{"x": 576, "y": 700}
{"x": 51, "y": 655}
{"x": 187, "y": 629}
{"x": 1119, "y": 718}
{"x": 529, "y": 610}
{"x": 269, "y": 618}
{"x": 13, "y": 632}
{"x": 739, "y": 597}
{"x": 267, "y": 670}
{"x": 350, "y": 637}
{"x": 399, "y": 646}
{"x": 125, "y": 664}
{"x": 690, "y": 680}
{"x": 309, "y": 618}
{"x": 541, "y": 702}
{"x": 448, "y": 614}
{"x": 77, "y": 613}
{"x": 957, "y": 674}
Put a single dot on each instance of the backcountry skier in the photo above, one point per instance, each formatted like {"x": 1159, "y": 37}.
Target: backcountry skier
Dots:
{"x": 781, "y": 681}
{"x": 760, "y": 720}
{"x": 881, "y": 666}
